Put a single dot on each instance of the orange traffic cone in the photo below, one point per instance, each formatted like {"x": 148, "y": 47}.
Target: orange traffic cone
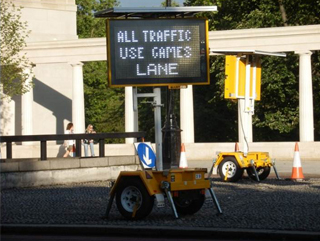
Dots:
{"x": 296, "y": 168}
{"x": 183, "y": 160}
{"x": 236, "y": 147}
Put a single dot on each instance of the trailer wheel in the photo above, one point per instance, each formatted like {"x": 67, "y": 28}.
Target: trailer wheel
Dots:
{"x": 229, "y": 170}
{"x": 263, "y": 173}
{"x": 189, "y": 202}
{"x": 132, "y": 199}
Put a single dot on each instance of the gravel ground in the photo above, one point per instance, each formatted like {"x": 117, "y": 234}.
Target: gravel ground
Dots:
{"x": 271, "y": 204}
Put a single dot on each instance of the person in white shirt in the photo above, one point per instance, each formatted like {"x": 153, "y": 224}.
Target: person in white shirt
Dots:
{"x": 69, "y": 143}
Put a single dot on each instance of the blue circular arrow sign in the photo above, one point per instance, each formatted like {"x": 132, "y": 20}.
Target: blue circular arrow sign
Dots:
{"x": 146, "y": 155}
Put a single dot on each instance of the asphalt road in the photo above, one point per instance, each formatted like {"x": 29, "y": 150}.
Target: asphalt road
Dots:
{"x": 272, "y": 209}
{"x": 96, "y": 238}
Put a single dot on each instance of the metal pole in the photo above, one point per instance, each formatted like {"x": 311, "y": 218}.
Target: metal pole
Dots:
{"x": 78, "y": 148}
{"x": 101, "y": 148}
{"x": 171, "y": 137}
{"x": 43, "y": 150}
{"x": 9, "y": 150}
{"x": 135, "y": 109}
{"x": 157, "y": 125}
{"x": 247, "y": 108}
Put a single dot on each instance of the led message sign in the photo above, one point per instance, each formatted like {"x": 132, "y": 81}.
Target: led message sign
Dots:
{"x": 157, "y": 52}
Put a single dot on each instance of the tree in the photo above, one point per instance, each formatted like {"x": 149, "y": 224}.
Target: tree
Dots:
{"x": 276, "y": 115}
{"x": 172, "y": 3}
{"x": 14, "y": 80}
{"x": 87, "y": 25}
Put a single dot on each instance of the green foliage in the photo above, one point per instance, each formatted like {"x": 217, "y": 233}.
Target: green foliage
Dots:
{"x": 215, "y": 118}
{"x": 104, "y": 106}
{"x": 277, "y": 109}
{"x": 14, "y": 80}
{"x": 315, "y": 58}
{"x": 302, "y": 12}
{"x": 173, "y": 4}
{"x": 87, "y": 25}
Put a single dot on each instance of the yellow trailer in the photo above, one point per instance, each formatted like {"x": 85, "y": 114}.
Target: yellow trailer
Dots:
{"x": 231, "y": 165}
{"x": 136, "y": 191}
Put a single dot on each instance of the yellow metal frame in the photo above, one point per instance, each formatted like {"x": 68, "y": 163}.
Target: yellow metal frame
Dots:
{"x": 179, "y": 179}
{"x": 236, "y": 78}
{"x": 260, "y": 159}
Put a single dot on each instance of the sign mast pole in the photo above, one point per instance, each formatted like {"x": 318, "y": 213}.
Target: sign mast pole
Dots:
{"x": 171, "y": 131}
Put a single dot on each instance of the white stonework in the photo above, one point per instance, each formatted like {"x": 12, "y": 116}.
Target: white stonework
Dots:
{"x": 305, "y": 97}
{"x": 186, "y": 110}
{"x": 77, "y": 98}
{"x": 53, "y": 20}
{"x": 279, "y": 39}
{"x": 49, "y": 104}
{"x": 53, "y": 93}
{"x": 130, "y": 119}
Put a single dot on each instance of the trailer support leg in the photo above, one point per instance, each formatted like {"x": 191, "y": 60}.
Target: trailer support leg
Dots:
{"x": 166, "y": 187}
{"x": 255, "y": 170}
{"x": 111, "y": 198}
{"x": 211, "y": 169}
{"x": 172, "y": 203}
{"x": 275, "y": 169}
{"x": 215, "y": 200}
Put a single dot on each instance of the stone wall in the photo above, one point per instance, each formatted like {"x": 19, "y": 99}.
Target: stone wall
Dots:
{"x": 67, "y": 170}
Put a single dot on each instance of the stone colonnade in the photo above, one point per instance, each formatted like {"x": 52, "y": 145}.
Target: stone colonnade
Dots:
{"x": 78, "y": 115}
{"x": 299, "y": 39}
{"x": 186, "y": 105}
{"x": 306, "y": 125}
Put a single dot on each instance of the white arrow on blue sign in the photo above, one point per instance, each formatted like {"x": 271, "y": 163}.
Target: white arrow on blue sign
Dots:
{"x": 146, "y": 155}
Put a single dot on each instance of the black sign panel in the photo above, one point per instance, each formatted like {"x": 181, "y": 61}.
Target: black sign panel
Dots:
{"x": 158, "y": 52}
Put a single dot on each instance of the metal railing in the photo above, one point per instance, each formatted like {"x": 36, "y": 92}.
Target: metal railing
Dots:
{"x": 100, "y": 137}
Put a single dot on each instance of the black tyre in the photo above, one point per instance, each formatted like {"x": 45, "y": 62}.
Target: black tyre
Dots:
{"x": 229, "y": 170}
{"x": 189, "y": 202}
{"x": 132, "y": 197}
{"x": 263, "y": 173}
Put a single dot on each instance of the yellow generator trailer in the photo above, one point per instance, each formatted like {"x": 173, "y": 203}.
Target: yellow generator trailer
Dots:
{"x": 136, "y": 191}
{"x": 231, "y": 165}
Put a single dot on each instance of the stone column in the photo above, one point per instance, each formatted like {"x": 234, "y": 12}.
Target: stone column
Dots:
{"x": 26, "y": 109}
{"x": 78, "y": 117}
{"x": 186, "y": 115}
{"x": 305, "y": 97}
{"x": 130, "y": 117}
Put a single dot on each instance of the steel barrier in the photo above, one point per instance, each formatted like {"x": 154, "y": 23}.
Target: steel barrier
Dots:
{"x": 78, "y": 137}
